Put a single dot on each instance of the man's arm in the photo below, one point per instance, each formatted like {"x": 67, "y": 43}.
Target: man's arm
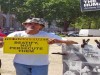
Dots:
{"x": 68, "y": 42}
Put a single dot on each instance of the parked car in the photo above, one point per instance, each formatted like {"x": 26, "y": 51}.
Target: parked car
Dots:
{"x": 89, "y": 32}
{"x": 73, "y": 34}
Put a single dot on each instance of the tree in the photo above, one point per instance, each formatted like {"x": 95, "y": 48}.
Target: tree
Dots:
{"x": 65, "y": 12}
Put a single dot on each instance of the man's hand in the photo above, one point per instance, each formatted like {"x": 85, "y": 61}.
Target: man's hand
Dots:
{"x": 1, "y": 44}
{"x": 51, "y": 41}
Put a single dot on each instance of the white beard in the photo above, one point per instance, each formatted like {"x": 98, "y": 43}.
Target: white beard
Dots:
{"x": 29, "y": 28}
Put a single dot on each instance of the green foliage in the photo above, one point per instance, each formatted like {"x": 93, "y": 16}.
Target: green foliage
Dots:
{"x": 59, "y": 10}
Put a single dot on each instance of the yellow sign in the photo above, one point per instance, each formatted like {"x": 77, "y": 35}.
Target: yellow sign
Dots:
{"x": 19, "y": 45}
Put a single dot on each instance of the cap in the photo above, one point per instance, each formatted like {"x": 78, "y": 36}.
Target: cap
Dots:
{"x": 27, "y": 21}
{"x": 40, "y": 21}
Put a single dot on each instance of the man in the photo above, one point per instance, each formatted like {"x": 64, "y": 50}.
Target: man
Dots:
{"x": 34, "y": 64}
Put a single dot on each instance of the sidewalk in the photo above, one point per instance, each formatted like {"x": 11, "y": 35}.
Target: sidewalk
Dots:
{"x": 55, "y": 67}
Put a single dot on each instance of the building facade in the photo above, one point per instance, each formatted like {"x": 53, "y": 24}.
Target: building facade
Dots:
{"x": 9, "y": 23}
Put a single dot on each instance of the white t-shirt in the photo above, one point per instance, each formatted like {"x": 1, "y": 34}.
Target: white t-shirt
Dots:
{"x": 32, "y": 59}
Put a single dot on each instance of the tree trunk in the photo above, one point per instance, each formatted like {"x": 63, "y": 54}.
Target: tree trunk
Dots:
{"x": 89, "y": 25}
{"x": 66, "y": 25}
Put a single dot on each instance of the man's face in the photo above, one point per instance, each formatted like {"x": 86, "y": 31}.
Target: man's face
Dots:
{"x": 33, "y": 26}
